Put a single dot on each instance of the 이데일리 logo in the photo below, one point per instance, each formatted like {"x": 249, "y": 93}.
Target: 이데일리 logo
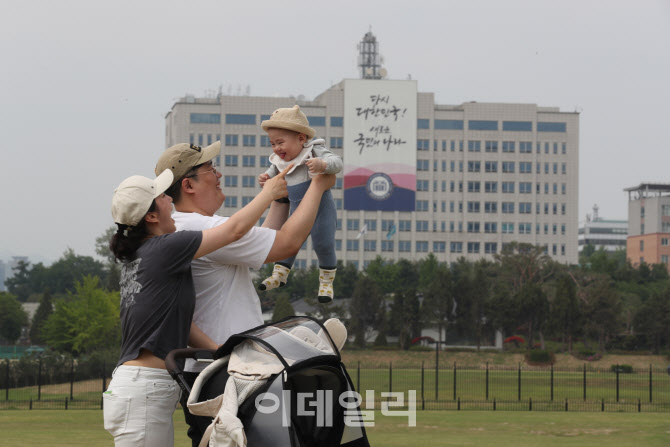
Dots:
{"x": 379, "y": 186}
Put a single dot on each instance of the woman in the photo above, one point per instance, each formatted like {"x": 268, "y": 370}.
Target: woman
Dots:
{"x": 157, "y": 301}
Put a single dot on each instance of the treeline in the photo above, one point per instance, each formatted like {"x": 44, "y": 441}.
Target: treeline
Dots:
{"x": 604, "y": 301}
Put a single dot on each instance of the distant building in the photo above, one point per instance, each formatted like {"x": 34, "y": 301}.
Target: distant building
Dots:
{"x": 420, "y": 177}
{"x": 609, "y": 235}
{"x": 648, "y": 223}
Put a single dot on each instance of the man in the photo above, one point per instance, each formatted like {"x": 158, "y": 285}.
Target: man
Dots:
{"x": 226, "y": 300}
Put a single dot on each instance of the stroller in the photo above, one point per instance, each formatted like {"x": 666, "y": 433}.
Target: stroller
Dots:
{"x": 281, "y": 384}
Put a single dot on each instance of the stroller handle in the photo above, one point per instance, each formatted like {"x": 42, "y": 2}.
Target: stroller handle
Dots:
{"x": 202, "y": 355}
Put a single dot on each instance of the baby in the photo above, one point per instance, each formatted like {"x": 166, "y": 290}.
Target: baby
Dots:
{"x": 291, "y": 140}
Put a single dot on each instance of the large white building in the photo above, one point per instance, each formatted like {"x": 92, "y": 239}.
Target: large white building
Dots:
{"x": 454, "y": 180}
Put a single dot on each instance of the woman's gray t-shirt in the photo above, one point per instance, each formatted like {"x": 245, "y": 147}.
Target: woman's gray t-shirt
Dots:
{"x": 157, "y": 295}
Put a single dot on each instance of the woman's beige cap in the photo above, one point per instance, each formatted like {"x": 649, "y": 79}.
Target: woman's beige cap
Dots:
{"x": 291, "y": 119}
{"x": 133, "y": 197}
{"x": 180, "y": 158}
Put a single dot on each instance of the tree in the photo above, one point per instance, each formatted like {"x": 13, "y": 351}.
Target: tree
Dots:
{"x": 565, "y": 310}
{"x": 19, "y": 284}
{"x": 12, "y": 317}
{"x": 88, "y": 319}
{"x": 41, "y": 315}
{"x": 438, "y": 300}
{"x": 112, "y": 269}
{"x": 653, "y": 320}
{"x": 405, "y": 316}
{"x": 367, "y": 308}
{"x": 282, "y": 309}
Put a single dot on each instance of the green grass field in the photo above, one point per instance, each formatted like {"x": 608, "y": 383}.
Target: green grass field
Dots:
{"x": 58, "y": 428}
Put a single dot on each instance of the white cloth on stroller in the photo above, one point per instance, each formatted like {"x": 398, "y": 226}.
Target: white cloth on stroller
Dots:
{"x": 249, "y": 366}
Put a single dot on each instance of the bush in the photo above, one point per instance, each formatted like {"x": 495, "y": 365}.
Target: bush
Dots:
{"x": 540, "y": 357}
{"x": 626, "y": 369}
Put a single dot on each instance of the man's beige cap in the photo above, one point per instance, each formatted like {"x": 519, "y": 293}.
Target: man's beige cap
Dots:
{"x": 291, "y": 119}
{"x": 180, "y": 158}
{"x": 133, "y": 197}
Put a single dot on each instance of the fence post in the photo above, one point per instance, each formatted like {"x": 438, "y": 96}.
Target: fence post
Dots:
{"x": 584, "y": 381}
{"x": 519, "y": 383}
{"x": 390, "y": 377}
{"x": 66, "y": 403}
{"x": 459, "y": 404}
{"x": 71, "y": 378}
{"x": 7, "y": 383}
{"x": 639, "y": 405}
{"x": 494, "y": 404}
{"x": 617, "y": 383}
{"x": 455, "y": 384}
{"x": 358, "y": 377}
{"x": 530, "y": 404}
{"x": 104, "y": 378}
{"x": 436, "y": 380}
{"x": 423, "y": 399}
{"x": 566, "y": 404}
{"x": 487, "y": 381}
{"x": 602, "y": 404}
{"x": 650, "y": 383}
{"x": 39, "y": 379}
{"x": 552, "y": 382}
{"x": 30, "y": 407}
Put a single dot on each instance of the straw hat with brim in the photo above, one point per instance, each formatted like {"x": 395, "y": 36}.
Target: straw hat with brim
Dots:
{"x": 182, "y": 157}
{"x": 290, "y": 119}
{"x": 133, "y": 197}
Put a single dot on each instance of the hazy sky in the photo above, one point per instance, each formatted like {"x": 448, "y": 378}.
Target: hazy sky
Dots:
{"x": 85, "y": 85}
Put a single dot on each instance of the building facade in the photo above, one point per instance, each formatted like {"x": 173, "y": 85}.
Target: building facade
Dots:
{"x": 649, "y": 224}
{"x": 486, "y": 174}
{"x": 610, "y": 235}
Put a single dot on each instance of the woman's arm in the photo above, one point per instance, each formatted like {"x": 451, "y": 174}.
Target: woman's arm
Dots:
{"x": 198, "y": 339}
{"x": 241, "y": 222}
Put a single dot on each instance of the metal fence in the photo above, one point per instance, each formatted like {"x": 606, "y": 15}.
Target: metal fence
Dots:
{"x": 453, "y": 387}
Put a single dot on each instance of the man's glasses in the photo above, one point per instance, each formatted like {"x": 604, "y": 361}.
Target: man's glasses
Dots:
{"x": 213, "y": 169}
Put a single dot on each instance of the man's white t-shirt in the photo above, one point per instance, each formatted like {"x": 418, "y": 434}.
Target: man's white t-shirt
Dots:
{"x": 226, "y": 302}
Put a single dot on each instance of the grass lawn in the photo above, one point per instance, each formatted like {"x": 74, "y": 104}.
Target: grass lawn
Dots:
{"x": 58, "y": 428}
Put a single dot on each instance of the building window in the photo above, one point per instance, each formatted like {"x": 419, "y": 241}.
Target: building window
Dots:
{"x": 490, "y": 248}
{"x": 508, "y": 207}
{"x": 448, "y": 124}
{"x": 508, "y": 146}
{"x": 664, "y": 259}
{"x": 370, "y": 245}
{"x": 551, "y": 127}
{"x": 336, "y": 142}
{"x": 317, "y": 120}
{"x": 422, "y": 185}
{"x": 491, "y": 146}
{"x": 474, "y": 166}
{"x": 491, "y": 166}
{"x": 265, "y": 141}
{"x": 231, "y": 160}
{"x": 352, "y": 224}
{"x": 507, "y": 228}
{"x": 482, "y": 125}
{"x": 473, "y": 227}
{"x": 664, "y": 241}
{"x": 422, "y": 205}
{"x": 525, "y": 228}
{"x": 422, "y": 145}
{"x": 248, "y": 140}
{"x": 456, "y": 247}
{"x": 371, "y": 224}
{"x": 404, "y": 225}
{"x": 525, "y": 167}
{"x": 232, "y": 140}
{"x": 525, "y": 187}
{"x": 491, "y": 187}
{"x": 491, "y": 207}
{"x": 387, "y": 224}
{"x": 421, "y": 225}
{"x": 508, "y": 187}
{"x": 338, "y": 204}
{"x": 422, "y": 165}
{"x": 205, "y": 118}
{"x": 473, "y": 207}
{"x": 439, "y": 247}
{"x": 473, "y": 247}
{"x": 473, "y": 186}
{"x": 641, "y": 245}
{"x": 474, "y": 146}
{"x": 423, "y": 123}
{"x": 230, "y": 181}
{"x": 490, "y": 227}
{"x": 230, "y": 202}
{"x": 405, "y": 246}
{"x": 387, "y": 246}
{"x": 248, "y": 181}
{"x": 336, "y": 121}
{"x": 232, "y": 118}
{"x": 249, "y": 161}
{"x": 524, "y": 207}
{"x": 508, "y": 167}
{"x": 422, "y": 246}
{"x": 518, "y": 126}
{"x": 525, "y": 147}
{"x": 352, "y": 244}
{"x": 265, "y": 162}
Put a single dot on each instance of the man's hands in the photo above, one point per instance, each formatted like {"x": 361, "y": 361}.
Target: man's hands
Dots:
{"x": 324, "y": 181}
{"x": 276, "y": 186}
